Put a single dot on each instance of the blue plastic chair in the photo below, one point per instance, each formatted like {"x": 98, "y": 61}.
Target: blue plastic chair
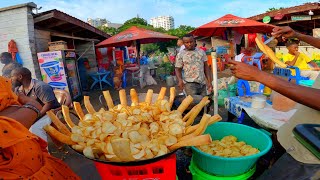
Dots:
{"x": 243, "y": 88}
{"x": 99, "y": 79}
{"x": 255, "y": 59}
{"x": 286, "y": 72}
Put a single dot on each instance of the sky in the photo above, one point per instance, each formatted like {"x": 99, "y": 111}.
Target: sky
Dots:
{"x": 184, "y": 12}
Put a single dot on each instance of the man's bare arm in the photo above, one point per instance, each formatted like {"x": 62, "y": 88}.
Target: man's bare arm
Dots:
{"x": 287, "y": 32}
{"x": 308, "y": 39}
{"x": 293, "y": 62}
{"x": 46, "y": 107}
{"x": 304, "y": 95}
{"x": 313, "y": 64}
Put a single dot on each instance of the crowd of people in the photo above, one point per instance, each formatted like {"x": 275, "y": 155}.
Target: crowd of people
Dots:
{"x": 24, "y": 102}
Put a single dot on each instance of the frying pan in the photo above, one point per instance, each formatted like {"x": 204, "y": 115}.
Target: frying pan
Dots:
{"x": 130, "y": 163}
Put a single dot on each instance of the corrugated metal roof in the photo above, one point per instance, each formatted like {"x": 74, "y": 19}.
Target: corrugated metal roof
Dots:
{"x": 289, "y": 10}
{"x": 54, "y": 13}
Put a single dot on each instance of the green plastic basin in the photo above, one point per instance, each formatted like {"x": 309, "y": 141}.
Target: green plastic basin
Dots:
{"x": 222, "y": 166}
{"x": 197, "y": 174}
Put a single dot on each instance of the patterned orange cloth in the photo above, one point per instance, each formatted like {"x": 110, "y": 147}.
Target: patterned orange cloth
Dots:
{"x": 22, "y": 154}
{"x": 7, "y": 97}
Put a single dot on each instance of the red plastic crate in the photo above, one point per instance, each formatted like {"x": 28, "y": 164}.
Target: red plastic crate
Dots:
{"x": 164, "y": 169}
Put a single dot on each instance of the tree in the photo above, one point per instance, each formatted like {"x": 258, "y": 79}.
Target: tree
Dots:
{"x": 149, "y": 48}
{"x": 181, "y": 31}
{"x": 274, "y": 9}
{"x": 136, "y": 20}
{"x": 109, "y": 30}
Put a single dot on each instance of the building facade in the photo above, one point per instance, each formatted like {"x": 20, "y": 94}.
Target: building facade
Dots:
{"x": 166, "y": 22}
{"x": 32, "y": 32}
{"x": 97, "y": 22}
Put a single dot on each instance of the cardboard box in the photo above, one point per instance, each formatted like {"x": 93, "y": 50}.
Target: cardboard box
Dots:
{"x": 57, "y": 45}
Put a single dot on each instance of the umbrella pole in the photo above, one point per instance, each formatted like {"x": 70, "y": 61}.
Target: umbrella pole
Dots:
{"x": 215, "y": 80}
{"x": 138, "y": 51}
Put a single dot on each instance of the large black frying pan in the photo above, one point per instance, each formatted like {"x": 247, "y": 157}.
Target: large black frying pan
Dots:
{"x": 131, "y": 163}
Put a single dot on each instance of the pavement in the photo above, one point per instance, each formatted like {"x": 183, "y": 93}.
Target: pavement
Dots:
{"x": 86, "y": 169}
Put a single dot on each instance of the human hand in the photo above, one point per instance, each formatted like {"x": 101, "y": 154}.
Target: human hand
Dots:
{"x": 244, "y": 71}
{"x": 285, "y": 31}
{"x": 297, "y": 53}
{"x": 181, "y": 85}
{"x": 23, "y": 99}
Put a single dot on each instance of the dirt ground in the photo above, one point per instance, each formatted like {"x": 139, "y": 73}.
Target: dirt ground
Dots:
{"x": 85, "y": 168}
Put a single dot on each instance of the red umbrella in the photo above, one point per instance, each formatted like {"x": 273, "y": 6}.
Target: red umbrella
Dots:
{"x": 231, "y": 22}
{"x": 143, "y": 36}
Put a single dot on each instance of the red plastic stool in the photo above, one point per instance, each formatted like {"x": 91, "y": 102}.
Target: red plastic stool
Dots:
{"x": 164, "y": 169}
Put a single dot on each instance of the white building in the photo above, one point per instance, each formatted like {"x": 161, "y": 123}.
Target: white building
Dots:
{"x": 97, "y": 22}
{"x": 166, "y": 22}
{"x": 32, "y": 32}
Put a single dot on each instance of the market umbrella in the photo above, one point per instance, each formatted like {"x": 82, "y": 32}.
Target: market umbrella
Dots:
{"x": 137, "y": 36}
{"x": 234, "y": 23}
{"x": 229, "y": 23}
{"x": 127, "y": 37}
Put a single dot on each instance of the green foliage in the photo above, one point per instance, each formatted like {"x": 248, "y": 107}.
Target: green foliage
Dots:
{"x": 274, "y": 9}
{"x": 149, "y": 48}
{"x": 136, "y": 20}
{"x": 142, "y": 23}
{"x": 181, "y": 31}
{"x": 109, "y": 30}
{"x": 166, "y": 68}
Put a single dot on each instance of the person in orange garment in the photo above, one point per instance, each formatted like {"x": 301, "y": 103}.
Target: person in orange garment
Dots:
{"x": 22, "y": 154}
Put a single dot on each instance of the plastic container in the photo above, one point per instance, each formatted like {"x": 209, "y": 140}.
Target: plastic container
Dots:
{"x": 281, "y": 102}
{"x": 221, "y": 95}
{"x": 197, "y": 174}
{"x": 258, "y": 101}
{"x": 222, "y": 166}
{"x": 162, "y": 169}
{"x": 232, "y": 88}
{"x": 307, "y": 83}
{"x": 170, "y": 81}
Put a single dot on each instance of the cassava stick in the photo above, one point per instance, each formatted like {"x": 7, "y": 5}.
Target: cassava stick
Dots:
{"x": 78, "y": 109}
{"x": 197, "y": 110}
{"x": 194, "y": 141}
{"x": 88, "y": 105}
{"x": 61, "y": 127}
{"x": 123, "y": 98}
{"x": 134, "y": 97}
{"x": 172, "y": 96}
{"x": 185, "y": 104}
{"x": 202, "y": 125}
{"x": 66, "y": 115}
{"x": 162, "y": 93}
{"x": 58, "y": 135}
{"x": 201, "y": 128}
{"x": 148, "y": 99}
{"x": 108, "y": 99}
{"x": 212, "y": 120}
